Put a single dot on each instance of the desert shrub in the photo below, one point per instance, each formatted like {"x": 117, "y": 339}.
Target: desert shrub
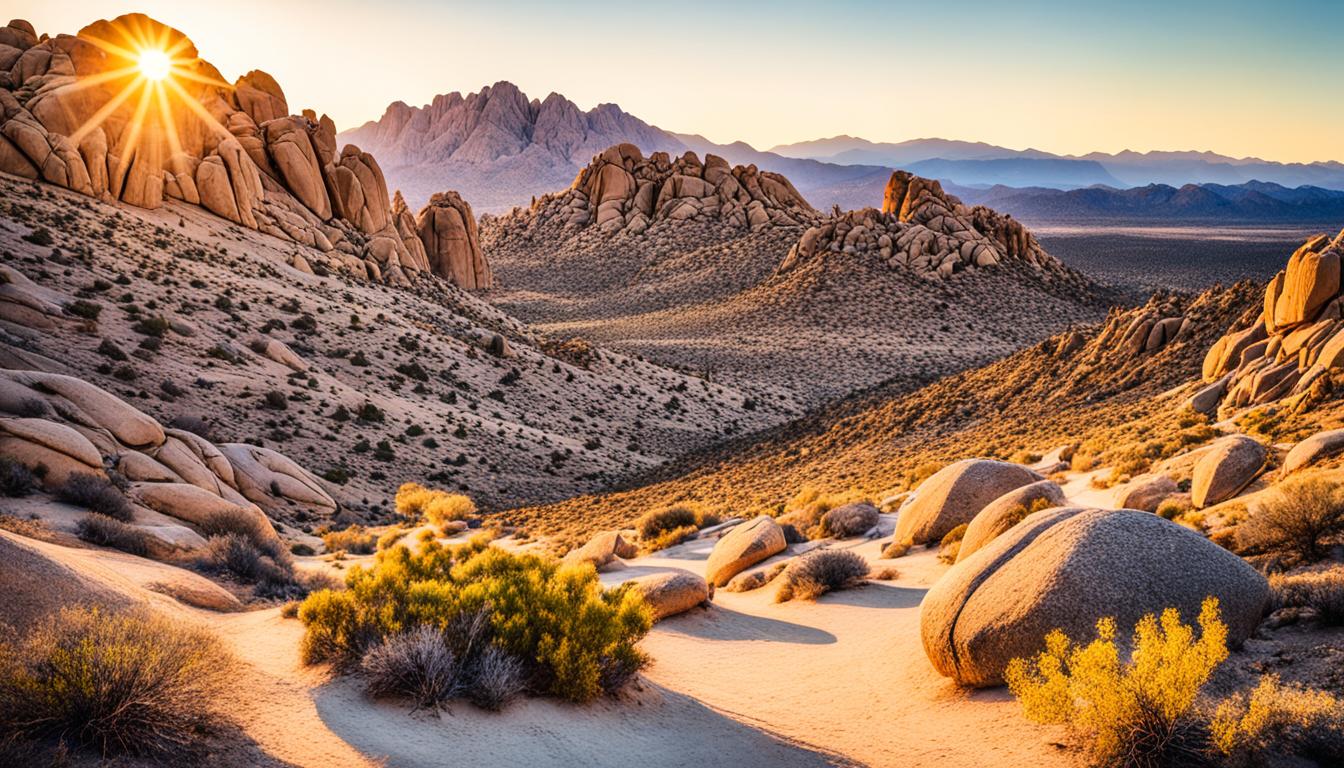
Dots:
{"x": 355, "y": 540}
{"x": 96, "y": 495}
{"x": 1298, "y": 520}
{"x": 951, "y": 543}
{"x": 669, "y": 538}
{"x": 659, "y": 521}
{"x": 1170, "y": 509}
{"x": 495, "y": 678}
{"x": 417, "y": 664}
{"x": 391, "y": 537}
{"x": 896, "y": 549}
{"x": 1276, "y": 720}
{"x": 819, "y": 572}
{"x": 1140, "y": 712}
{"x": 884, "y": 574}
{"x": 1321, "y": 591}
{"x": 414, "y": 502}
{"x": 745, "y": 582}
{"x": 131, "y": 683}
{"x": 239, "y": 521}
{"x": 573, "y": 638}
{"x": 109, "y": 532}
{"x": 807, "y": 508}
{"x": 15, "y": 479}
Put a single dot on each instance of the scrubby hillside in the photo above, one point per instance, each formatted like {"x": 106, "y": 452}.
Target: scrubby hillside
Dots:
{"x": 191, "y": 316}
{"x": 1093, "y": 382}
{"x": 730, "y": 273}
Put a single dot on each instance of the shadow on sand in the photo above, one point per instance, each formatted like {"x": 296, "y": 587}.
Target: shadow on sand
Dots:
{"x": 651, "y": 727}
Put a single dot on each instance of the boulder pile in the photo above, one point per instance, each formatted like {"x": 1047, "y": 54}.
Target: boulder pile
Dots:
{"x": 59, "y": 426}
{"x": 1294, "y": 342}
{"x": 621, "y": 191}
{"x": 69, "y": 116}
{"x": 925, "y": 230}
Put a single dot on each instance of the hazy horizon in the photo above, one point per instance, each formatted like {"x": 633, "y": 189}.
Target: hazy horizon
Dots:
{"x": 1043, "y": 75}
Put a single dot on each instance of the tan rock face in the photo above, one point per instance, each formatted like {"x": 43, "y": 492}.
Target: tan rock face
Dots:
{"x": 1229, "y": 465}
{"x": 1296, "y": 341}
{"x": 234, "y": 150}
{"x": 1325, "y": 443}
{"x": 671, "y": 593}
{"x": 1001, "y": 514}
{"x": 603, "y": 550}
{"x": 954, "y": 495}
{"x": 742, "y": 547}
{"x": 447, "y": 230}
{"x": 1065, "y": 569}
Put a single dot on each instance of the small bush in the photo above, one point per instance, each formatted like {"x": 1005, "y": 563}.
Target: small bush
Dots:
{"x": 130, "y": 683}
{"x": 896, "y": 549}
{"x": 807, "y": 508}
{"x": 417, "y": 664}
{"x": 261, "y": 561}
{"x": 496, "y": 679}
{"x": 95, "y": 494}
{"x": 354, "y": 540}
{"x": 1170, "y": 509}
{"x": 1299, "y": 519}
{"x": 819, "y": 572}
{"x": 950, "y": 546}
{"x": 1275, "y": 721}
{"x": 110, "y": 532}
{"x": 1137, "y": 713}
{"x": 669, "y": 538}
{"x": 655, "y": 523}
{"x": 1321, "y": 591}
{"x": 15, "y": 479}
{"x": 414, "y": 502}
{"x": 574, "y": 638}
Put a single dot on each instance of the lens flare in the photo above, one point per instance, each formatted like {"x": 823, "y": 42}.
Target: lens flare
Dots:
{"x": 154, "y": 64}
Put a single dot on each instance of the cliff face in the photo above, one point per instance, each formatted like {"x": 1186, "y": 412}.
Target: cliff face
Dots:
{"x": 79, "y": 113}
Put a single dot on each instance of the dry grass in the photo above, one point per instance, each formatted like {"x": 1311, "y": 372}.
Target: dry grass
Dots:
{"x": 129, "y": 683}
{"x": 816, "y": 573}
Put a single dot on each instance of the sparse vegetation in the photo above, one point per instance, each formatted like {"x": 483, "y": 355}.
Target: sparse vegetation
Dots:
{"x": 573, "y": 638}
{"x": 1320, "y": 592}
{"x": 95, "y": 494}
{"x": 15, "y": 479}
{"x": 130, "y": 683}
{"x": 816, "y": 573}
{"x": 1298, "y": 520}
{"x": 1275, "y": 721}
{"x": 109, "y": 532}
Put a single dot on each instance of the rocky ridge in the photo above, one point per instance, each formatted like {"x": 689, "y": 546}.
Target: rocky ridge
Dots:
{"x": 75, "y": 115}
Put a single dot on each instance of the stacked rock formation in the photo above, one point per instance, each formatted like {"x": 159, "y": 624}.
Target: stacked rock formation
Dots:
{"x": 927, "y": 231}
{"x": 621, "y": 191}
{"x": 71, "y": 117}
{"x": 1296, "y": 340}
{"x": 61, "y": 426}
{"x": 447, "y": 232}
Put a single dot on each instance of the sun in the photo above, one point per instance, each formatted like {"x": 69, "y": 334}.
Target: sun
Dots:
{"x": 154, "y": 64}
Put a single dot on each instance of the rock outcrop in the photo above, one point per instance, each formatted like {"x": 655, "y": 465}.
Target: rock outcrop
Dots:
{"x": 69, "y": 118}
{"x": 1319, "y": 446}
{"x": 954, "y": 495}
{"x": 605, "y": 550}
{"x": 931, "y": 233}
{"x": 447, "y": 230}
{"x": 673, "y": 592}
{"x": 742, "y": 547}
{"x": 1228, "y": 466}
{"x": 1293, "y": 344}
{"x": 177, "y": 480}
{"x": 1065, "y": 569}
{"x": 621, "y": 191}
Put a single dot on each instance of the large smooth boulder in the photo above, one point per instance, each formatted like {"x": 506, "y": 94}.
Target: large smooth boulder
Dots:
{"x": 1229, "y": 465}
{"x": 1065, "y": 569}
{"x": 1145, "y": 492}
{"x": 447, "y": 229}
{"x": 1006, "y": 511}
{"x": 672, "y": 592}
{"x": 603, "y": 550}
{"x": 742, "y": 547}
{"x": 955, "y": 494}
{"x": 38, "y": 442}
{"x": 1311, "y": 450}
{"x": 194, "y": 505}
{"x": 270, "y": 479}
{"x": 85, "y": 404}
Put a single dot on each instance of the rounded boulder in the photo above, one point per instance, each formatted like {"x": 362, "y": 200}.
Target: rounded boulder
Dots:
{"x": 1067, "y": 568}
{"x": 742, "y": 547}
{"x": 1229, "y": 465}
{"x": 955, "y": 494}
{"x": 1006, "y": 511}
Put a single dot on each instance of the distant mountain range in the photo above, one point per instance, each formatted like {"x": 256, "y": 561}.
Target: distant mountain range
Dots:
{"x": 977, "y": 163}
{"x": 500, "y": 149}
{"x": 1253, "y": 202}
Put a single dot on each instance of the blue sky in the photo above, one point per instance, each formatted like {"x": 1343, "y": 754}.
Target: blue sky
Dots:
{"x": 1239, "y": 78}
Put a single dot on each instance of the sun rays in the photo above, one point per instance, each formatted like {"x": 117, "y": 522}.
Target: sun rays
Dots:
{"x": 151, "y": 63}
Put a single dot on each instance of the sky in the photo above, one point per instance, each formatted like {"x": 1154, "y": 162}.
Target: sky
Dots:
{"x": 1239, "y": 78}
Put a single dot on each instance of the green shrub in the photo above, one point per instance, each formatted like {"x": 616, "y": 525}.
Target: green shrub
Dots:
{"x": 574, "y": 638}
{"x": 131, "y": 683}
{"x": 819, "y": 572}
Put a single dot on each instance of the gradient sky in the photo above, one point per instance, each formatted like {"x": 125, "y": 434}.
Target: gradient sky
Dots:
{"x": 1239, "y": 78}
